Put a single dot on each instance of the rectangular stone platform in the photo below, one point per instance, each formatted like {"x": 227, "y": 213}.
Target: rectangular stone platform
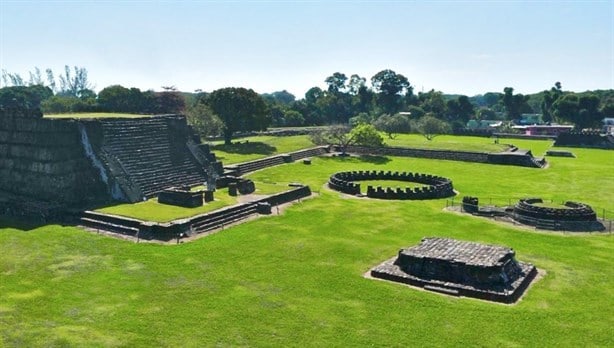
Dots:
{"x": 460, "y": 268}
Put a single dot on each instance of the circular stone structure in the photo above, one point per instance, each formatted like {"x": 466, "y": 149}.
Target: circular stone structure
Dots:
{"x": 434, "y": 186}
{"x": 571, "y": 215}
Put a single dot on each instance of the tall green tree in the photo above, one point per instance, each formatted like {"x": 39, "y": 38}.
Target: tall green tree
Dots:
{"x": 240, "y": 109}
{"x": 549, "y": 98}
{"x": 515, "y": 104}
{"x": 336, "y": 83}
{"x": 390, "y": 87}
{"x": 581, "y": 110}
{"x": 433, "y": 102}
{"x": 460, "y": 110}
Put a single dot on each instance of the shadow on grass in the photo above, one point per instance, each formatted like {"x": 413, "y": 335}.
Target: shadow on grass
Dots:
{"x": 246, "y": 148}
{"x": 374, "y": 159}
{"x": 21, "y": 224}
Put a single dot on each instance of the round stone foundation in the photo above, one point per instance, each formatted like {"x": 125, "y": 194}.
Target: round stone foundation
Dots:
{"x": 434, "y": 186}
{"x": 570, "y": 216}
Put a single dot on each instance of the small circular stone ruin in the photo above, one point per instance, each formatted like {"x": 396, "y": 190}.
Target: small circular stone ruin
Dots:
{"x": 435, "y": 186}
{"x": 570, "y": 216}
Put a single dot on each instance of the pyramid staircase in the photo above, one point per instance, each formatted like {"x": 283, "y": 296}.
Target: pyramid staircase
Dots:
{"x": 147, "y": 155}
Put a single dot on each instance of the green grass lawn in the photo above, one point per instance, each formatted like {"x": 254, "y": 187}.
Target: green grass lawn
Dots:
{"x": 251, "y": 148}
{"x": 447, "y": 142}
{"x": 151, "y": 210}
{"x": 296, "y": 279}
{"x": 95, "y": 115}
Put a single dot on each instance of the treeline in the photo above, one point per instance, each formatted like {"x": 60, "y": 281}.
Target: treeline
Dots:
{"x": 387, "y": 101}
{"x": 72, "y": 92}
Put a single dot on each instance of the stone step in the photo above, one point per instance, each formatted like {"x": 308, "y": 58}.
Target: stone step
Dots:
{"x": 442, "y": 290}
{"x": 225, "y": 219}
{"x": 117, "y": 220}
{"x": 107, "y": 226}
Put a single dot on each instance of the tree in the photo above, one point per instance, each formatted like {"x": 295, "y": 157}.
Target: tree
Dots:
{"x": 336, "y": 83}
{"x": 367, "y": 135}
{"x": 566, "y": 108}
{"x": 240, "y": 109}
{"x": 548, "y": 100}
{"x": 281, "y": 97}
{"x": 515, "y": 104}
{"x": 24, "y": 98}
{"x": 430, "y": 126}
{"x": 355, "y": 84}
{"x": 117, "y": 98}
{"x": 581, "y": 110}
{"x": 170, "y": 101}
{"x": 339, "y": 134}
{"x": 389, "y": 87}
{"x": 73, "y": 83}
{"x": 204, "y": 121}
{"x": 433, "y": 102}
{"x": 460, "y": 110}
{"x": 392, "y": 125}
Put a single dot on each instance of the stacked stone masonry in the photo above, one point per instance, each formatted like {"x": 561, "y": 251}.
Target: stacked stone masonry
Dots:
{"x": 436, "y": 186}
{"x": 43, "y": 160}
{"x": 573, "y": 211}
{"x": 68, "y": 162}
{"x": 460, "y": 268}
{"x": 190, "y": 226}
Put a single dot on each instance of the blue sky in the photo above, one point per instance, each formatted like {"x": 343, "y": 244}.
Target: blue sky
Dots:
{"x": 465, "y": 47}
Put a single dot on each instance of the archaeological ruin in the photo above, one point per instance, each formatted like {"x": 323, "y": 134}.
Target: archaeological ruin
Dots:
{"x": 48, "y": 165}
{"x": 434, "y": 186}
{"x": 569, "y": 216}
{"x": 460, "y": 268}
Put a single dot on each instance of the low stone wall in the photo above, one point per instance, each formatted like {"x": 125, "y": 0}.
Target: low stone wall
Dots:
{"x": 585, "y": 139}
{"x": 524, "y": 159}
{"x": 437, "y": 187}
{"x": 184, "y": 227}
{"x": 464, "y": 156}
{"x": 247, "y": 167}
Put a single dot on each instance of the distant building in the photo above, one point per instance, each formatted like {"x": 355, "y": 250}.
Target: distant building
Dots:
{"x": 484, "y": 124}
{"x": 608, "y": 125}
{"x": 527, "y": 119}
{"x": 544, "y": 129}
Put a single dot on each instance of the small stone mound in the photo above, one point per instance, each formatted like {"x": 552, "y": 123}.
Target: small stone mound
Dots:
{"x": 459, "y": 268}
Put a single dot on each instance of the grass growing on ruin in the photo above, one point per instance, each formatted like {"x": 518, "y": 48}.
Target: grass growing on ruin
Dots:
{"x": 251, "y": 148}
{"x": 95, "y": 115}
{"x": 297, "y": 279}
{"x": 151, "y": 210}
{"x": 447, "y": 142}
